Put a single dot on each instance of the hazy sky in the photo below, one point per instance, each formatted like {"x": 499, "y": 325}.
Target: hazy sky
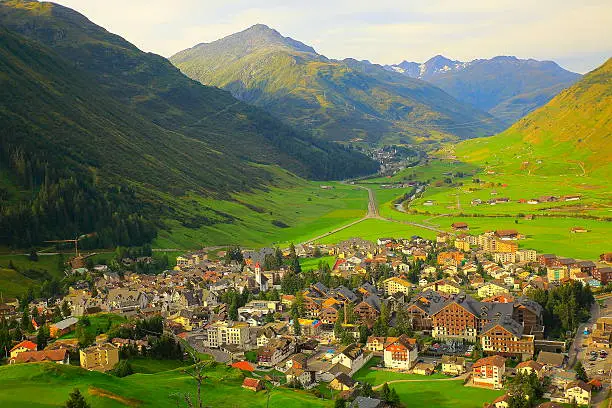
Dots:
{"x": 576, "y": 34}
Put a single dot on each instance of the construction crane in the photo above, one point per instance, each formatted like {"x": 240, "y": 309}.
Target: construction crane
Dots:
{"x": 76, "y": 242}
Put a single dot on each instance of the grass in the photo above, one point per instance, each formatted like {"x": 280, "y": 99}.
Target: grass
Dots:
{"x": 443, "y": 394}
{"x": 371, "y": 229}
{"x": 99, "y": 324}
{"x": 43, "y": 385}
{"x": 313, "y": 263}
{"x": 377, "y": 377}
{"x": 306, "y": 210}
{"x": 152, "y": 366}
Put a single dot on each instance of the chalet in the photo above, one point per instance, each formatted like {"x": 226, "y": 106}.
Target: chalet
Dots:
{"x": 509, "y": 234}
{"x": 275, "y": 351}
{"x": 367, "y": 402}
{"x": 489, "y": 372}
{"x": 504, "y": 336}
{"x": 21, "y": 347}
{"x": 530, "y": 366}
{"x": 453, "y": 365}
{"x": 252, "y": 384}
{"x": 460, "y": 226}
{"x": 423, "y": 369}
{"x": 59, "y": 356}
{"x": 375, "y": 344}
{"x": 298, "y": 360}
{"x": 351, "y": 357}
{"x": 303, "y": 376}
{"x": 401, "y": 353}
{"x": 368, "y": 310}
{"x": 578, "y": 392}
{"x": 342, "y": 382}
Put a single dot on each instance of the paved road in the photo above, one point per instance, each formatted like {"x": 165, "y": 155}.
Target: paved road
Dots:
{"x": 576, "y": 349}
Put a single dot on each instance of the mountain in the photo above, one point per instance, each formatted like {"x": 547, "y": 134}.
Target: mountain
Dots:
{"x": 506, "y": 87}
{"x": 571, "y": 134}
{"x": 99, "y": 136}
{"x": 336, "y": 100}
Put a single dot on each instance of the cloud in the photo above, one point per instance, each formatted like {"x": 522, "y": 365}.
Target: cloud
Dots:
{"x": 576, "y": 33}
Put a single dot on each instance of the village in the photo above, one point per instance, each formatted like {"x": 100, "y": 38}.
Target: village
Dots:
{"x": 477, "y": 308}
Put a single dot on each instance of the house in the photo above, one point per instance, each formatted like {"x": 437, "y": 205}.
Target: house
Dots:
{"x": 59, "y": 356}
{"x": 304, "y": 377}
{"x": 491, "y": 289}
{"x": 401, "y": 353}
{"x": 342, "y": 382}
{"x": 505, "y": 336}
{"x": 376, "y": 344}
{"x": 578, "y": 392}
{"x": 423, "y": 369}
{"x": 500, "y": 402}
{"x": 459, "y": 226}
{"x": 453, "y": 365}
{"x": 489, "y": 372}
{"x": 298, "y": 360}
{"x": 509, "y": 234}
{"x": 366, "y": 402}
{"x": 450, "y": 258}
{"x": 221, "y": 332}
{"x": 310, "y": 327}
{"x": 551, "y": 360}
{"x": 101, "y": 357}
{"x": 530, "y": 366}
{"x": 368, "y": 310}
{"x": 252, "y": 384}
{"x": 394, "y": 285}
{"x": 25, "y": 345}
{"x": 351, "y": 357}
{"x": 275, "y": 351}
{"x": 62, "y": 327}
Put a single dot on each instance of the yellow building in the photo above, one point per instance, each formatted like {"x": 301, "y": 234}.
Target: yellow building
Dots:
{"x": 462, "y": 244}
{"x": 490, "y": 289}
{"x": 99, "y": 358}
{"x": 395, "y": 284}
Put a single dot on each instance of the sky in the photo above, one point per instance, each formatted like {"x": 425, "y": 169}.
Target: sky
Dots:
{"x": 575, "y": 34}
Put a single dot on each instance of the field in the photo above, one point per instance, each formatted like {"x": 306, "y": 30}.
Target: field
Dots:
{"x": 48, "y": 385}
{"x": 313, "y": 263}
{"x": 371, "y": 229}
{"x": 152, "y": 366}
{"x": 427, "y": 391}
{"x": 299, "y": 213}
{"x": 99, "y": 323}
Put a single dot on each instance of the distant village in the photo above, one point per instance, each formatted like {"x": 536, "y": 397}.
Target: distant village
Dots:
{"x": 477, "y": 307}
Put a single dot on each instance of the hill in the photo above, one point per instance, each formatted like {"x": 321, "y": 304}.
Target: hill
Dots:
{"x": 568, "y": 135}
{"x": 344, "y": 100}
{"x": 506, "y": 87}
{"x": 100, "y": 136}
{"x": 45, "y": 384}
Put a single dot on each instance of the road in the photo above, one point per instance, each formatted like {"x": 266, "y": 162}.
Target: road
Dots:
{"x": 372, "y": 213}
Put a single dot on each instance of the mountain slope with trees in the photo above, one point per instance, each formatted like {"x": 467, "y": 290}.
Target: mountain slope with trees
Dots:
{"x": 97, "y": 134}
{"x": 336, "y": 100}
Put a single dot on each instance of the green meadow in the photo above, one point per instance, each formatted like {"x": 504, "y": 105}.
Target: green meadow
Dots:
{"x": 275, "y": 217}
{"x": 44, "y": 385}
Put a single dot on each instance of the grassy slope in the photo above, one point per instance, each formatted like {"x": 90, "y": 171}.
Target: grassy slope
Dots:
{"x": 573, "y": 127}
{"x": 339, "y": 100}
{"x": 48, "y": 385}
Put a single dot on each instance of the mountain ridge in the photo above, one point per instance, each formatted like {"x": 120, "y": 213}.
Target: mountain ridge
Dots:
{"x": 505, "y": 86}
{"x": 336, "y": 99}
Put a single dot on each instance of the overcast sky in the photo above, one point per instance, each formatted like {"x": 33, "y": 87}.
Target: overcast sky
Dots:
{"x": 576, "y": 34}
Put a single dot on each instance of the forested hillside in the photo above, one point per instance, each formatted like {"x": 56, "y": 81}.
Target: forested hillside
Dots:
{"x": 97, "y": 134}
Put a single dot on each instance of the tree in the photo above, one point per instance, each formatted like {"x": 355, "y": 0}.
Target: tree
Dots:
{"x": 123, "y": 369}
{"x": 386, "y": 392}
{"x": 340, "y": 403}
{"x": 66, "y": 312}
{"x": 366, "y": 389}
{"x": 26, "y": 322}
{"x": 363, "y": 334}
{"x": 42, "y": 337}
{"x": 581, "y": 372}
{"x": 76, "y": 400}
